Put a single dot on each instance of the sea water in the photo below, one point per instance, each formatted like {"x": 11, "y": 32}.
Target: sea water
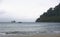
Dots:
{"x": 29, "y": 28}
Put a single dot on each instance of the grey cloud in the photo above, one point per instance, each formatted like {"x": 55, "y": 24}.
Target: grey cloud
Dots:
{"x": 0, "y": 1}
{"x": 2, "y": 11}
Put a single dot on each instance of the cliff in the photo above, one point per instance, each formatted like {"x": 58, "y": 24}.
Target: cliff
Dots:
{"x": 52, "y": 15}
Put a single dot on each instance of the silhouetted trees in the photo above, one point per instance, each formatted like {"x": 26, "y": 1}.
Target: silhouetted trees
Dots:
{"x": 52, "y": 15}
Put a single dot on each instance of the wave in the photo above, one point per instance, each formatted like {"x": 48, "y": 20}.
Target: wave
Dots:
{"x": 28, "y": 32}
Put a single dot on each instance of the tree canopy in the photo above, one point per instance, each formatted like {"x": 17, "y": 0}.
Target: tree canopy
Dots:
{"x": 50, "y": 15}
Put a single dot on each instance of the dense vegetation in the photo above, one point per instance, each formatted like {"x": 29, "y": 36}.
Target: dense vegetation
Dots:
{"x": 52, "y": 15}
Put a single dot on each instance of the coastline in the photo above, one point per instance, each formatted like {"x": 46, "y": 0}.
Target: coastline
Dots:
{"x": 37, "y": 35}
{"x": 43, "y": 33}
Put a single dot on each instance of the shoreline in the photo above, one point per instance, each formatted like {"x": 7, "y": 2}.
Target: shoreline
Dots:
{"x": 36, "y": 35}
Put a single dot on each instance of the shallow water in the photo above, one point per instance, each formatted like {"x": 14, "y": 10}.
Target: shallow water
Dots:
{"x": 29, "y": 28}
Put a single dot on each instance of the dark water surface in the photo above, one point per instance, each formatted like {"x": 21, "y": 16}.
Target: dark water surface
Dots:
{"x": 29, "y": 28}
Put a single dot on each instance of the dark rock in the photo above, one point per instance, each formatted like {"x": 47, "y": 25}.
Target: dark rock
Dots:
{"x": 13, "y": 21}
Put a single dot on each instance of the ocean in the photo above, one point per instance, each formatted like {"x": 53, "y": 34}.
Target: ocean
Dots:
{"x": 29, "y": 28}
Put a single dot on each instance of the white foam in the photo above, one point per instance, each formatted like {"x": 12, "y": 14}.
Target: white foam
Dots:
{"x": 56, "y": 31}
{"x": 2, "y": 34}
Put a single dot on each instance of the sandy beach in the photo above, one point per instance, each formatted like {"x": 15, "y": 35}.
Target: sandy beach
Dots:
{"x": 37, "y": 35}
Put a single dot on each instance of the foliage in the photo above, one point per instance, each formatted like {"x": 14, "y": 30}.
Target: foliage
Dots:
{"x": 52, "y": 15}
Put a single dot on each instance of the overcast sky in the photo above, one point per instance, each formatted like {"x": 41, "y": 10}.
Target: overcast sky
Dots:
{"x": 24, "y": 10}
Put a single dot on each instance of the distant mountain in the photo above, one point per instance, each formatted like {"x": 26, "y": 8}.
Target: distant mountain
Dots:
{"x": 52, "y": 15}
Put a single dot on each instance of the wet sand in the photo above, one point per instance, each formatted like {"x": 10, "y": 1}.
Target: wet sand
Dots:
{"x": 37, "y": 35}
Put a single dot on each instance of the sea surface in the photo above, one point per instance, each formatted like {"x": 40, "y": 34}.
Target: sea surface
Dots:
{"x": 29, "y": 28}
